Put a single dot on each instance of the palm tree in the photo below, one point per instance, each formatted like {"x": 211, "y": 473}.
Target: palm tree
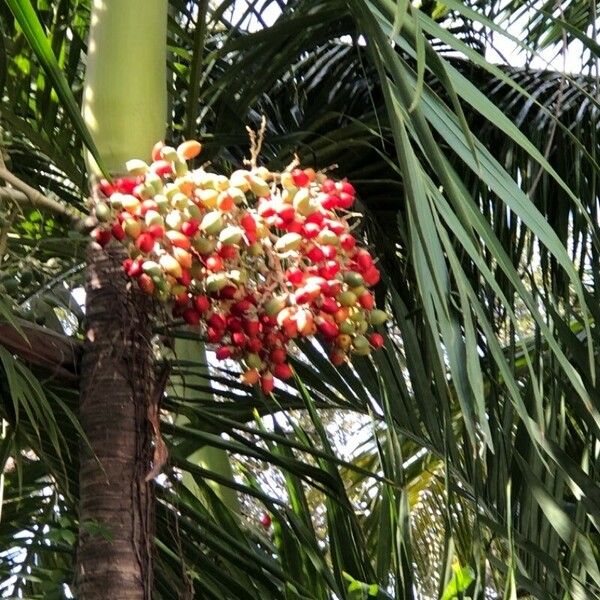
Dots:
{"x": 477, "y": 425}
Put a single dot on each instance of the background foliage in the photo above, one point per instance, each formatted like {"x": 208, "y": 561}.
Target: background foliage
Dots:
{"x": 464, "y": 457}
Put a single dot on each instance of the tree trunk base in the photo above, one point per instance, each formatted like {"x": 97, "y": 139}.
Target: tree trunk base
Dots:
{"x": 114, "y": 558}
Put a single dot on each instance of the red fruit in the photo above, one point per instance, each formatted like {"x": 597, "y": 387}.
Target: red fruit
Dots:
{"x": 376, "y": 340}
{"x": 278, "y": 356}
{"x": 329, "y": 306}
{"x": 315, "y": 254}
{"x": 202, "y": 303}
{"x": 248, "y": 223}
{"x": 223, "y": 353}
{"x": 251, "y": 327}
{"x": 162, "y": 168}
{"x": 330, "y": 202}
{"x": 294, "y": 275}
{"x": 330, "y": 269}
{"x": 182, "y": 300}
{"x": 254, "y": 345}
{"x": 367, "y": 301}
{"x": 286, "y": 212}
{"x": 102, "y": 236}
{"x": 239, "y": 339}
{"x": 372, "y": 276}
{"x": 190, "y": 227}
{"x": 217, "y": 321}
{"x": 300, "y": 178}
{"x": 156, "y": 231}
{"x": 126, "y": 185}
{"x": 228, "y": 292}
{"x": 266, "y": 209}
{"x": 156, "y": 150}
{"x": 266, "y": 383}
{"x": 311, "y": 230}
{"x": 241, "y": 307}
{"x": 265, "y": 520}
{"x": 227, "y": 251}
{"x": 185, "y": 278}
{"x": 136, "y": 269}
{"x": 148, "y": 205}
{"x": 144, "y": 242}
{"x": 329, "y": 251}
{"x": 191, "y": 316}
{"x": 337, "y": 227}
{"x": 282, "y": 371}
{"x": 294, "y": 227}
{"x": 346, "y": 187}
{"x": 332, "y": 287}
{"x": 328, "y": 329}
{"x": 328, "y": 186}
{"x": 106, "y": 188}
{"x": 315, "y": 217}
{"x": 146, "y": 284}
{"x": 363, "y": 259}
{"x": 337, "y": 357}
{"x": 214, "y": 335}
{"x": 234, "y": 324}
{"x": 118, "y": 232}
{"x": 214, "y": 263}
{"x": 347, "y": 241}
{"x": 346, "y": 200}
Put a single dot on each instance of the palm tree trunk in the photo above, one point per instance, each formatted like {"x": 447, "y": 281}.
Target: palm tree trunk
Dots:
{"x": 125, "y": 108}
{"x": 116, "y": 503}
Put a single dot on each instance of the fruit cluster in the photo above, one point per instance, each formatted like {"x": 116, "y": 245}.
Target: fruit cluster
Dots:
{"x": 256, "y": 259}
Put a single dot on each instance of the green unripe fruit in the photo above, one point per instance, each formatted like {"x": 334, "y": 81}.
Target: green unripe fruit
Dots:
{"x": 253, "y": 361}
{"x": 136, "y": 166}
{"x": 180, "y": 167}
{"x": 259, "y": 187}
{"x": 174, "y": 220}
{"x": 347, "y": 327}
{"x": 274, "y": 306}
{"x": 11, "y": 285}
{"x": 204, "y": 245}
{"x": 255, "y": 249}
{"x": 238, "y": 276}
{"x": 362, "y": 326}
{"x": 169, "y": 153}
{"x": 353, "y": 279}
{"x": 358, "y": 291}
{"x": 237, "y": 195}
{"x": 151, "y": 268}
{"x": 288, "y": 242}
{"x": 132, "y": 228}
{"x": 162, "y": 202}
{"x": 378, "y": 317}
{"x": 346, "y": 299}
{"x": 155, "y": 182}
{"x": 361, "y": 345}
{"x": 178, "y": 289}
{"x": 327, "y": 237}
{"x": 153, "y": 218}
{"x": 170, "y": 190}
{"x": 116, "y": 201}
{"x": 301, "y": 201}
{"x": 212, "y": 223}
{"x": 179, "y": 201}
{"x": 193, "y": 212}
{"x": 103, "y": 212}
{"x": 231, "y": 235}
{"x": 216, "y": 282}
{"x": 26, "y": 277}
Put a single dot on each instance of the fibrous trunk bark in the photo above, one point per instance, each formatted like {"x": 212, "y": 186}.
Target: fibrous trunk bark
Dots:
{"x": 117, "y": 388}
